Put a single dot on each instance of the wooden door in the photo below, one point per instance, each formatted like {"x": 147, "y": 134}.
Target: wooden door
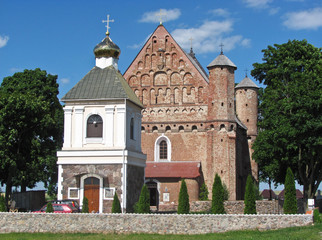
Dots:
{"x": 91, "y": 192}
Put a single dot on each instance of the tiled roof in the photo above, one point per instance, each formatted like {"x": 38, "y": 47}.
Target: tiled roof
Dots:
{"x": 246, "y": 83}
{"x": 222, "y": 60}
{"x": 197, "y": 65}
{"x": 102, "y": 84}
{"x": 266, "y": 195}
{"x": 299, "y": 194}
{"x": 172, "y": 169}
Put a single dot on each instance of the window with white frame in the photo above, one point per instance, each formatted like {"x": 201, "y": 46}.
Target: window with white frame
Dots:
{"x": 162, "y": 149}
{"x": 109, "y": 193}
{"x": 73, "y": 193}
{"x": 94, "y": 126}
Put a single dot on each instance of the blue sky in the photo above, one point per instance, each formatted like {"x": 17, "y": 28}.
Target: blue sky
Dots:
{"x": 59, "y": 36}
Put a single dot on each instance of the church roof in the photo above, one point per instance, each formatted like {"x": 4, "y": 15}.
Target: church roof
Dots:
{"x": 246, "y": 83}
{"x": 222, "y": 60}
{"x": 102, "y": 84}
{"x": 172, "y": 169}
{"x": 197, "y": 64}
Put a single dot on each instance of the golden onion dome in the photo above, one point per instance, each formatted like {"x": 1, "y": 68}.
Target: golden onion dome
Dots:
{"x": 107, "y": 49}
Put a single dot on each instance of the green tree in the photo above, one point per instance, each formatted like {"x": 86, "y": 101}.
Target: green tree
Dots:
{"x": 3, "y": 207}
{"x": 203, "y": 195}
{"x": 143, "y": 205}
{"x": 183, "y": 204}
{"x": 116, "y": 206}
{"x": 290, "y": 202}
{"x": 250, "y": 202}
{"x": 226, "y": 192}
{"x": 49, "y": 208}
{"x": 291, "y": 116}
{"x": 31, "y": 129}
{"x": 85, "y": 208}
{"x": 217, "y": 203}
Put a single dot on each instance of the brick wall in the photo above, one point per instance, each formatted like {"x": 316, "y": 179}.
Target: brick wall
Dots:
{"x": 145, "y": 223}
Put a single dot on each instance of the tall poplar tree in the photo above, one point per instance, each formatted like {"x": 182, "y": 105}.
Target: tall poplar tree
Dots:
{"x": 290, "y": 130}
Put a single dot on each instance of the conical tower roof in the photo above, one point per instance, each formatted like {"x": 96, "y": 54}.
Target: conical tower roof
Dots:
{"x": 222, "y": 60}
{"x": 246, "y": 83}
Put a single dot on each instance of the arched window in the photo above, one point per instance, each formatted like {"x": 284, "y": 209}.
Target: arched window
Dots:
{"x": 94, "y": 126}
{"x": 181, "y": 128}
{"x": 163, "y": 153}
{"x": 167, "y": 128}
{"x": 132, "y": 128}
{"x": 162, "y": 149}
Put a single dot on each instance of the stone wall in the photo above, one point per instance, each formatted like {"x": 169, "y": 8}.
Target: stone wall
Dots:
{"x": 145, "y": 223}
{"x": 237, "y": 207}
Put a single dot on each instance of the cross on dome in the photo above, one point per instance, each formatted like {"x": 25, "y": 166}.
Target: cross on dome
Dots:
{"x": 107, "y": 24}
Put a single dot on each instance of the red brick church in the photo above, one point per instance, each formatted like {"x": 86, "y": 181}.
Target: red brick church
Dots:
{"x": 195, "y": 123}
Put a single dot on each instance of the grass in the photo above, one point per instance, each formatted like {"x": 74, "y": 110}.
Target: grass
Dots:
{"x": 308, "y": 232}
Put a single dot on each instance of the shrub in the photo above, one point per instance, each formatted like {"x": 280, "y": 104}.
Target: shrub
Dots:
{"x": 316, "y": 216}
{"x": 183, "y": 204}
{"x": 49, "y": 208}
{"x": 3, "y": 207}
{"x": 143, "y": 206}
{"x": 116, "y": 207}
{"x": 203, "y": 195}
{"x": 85, "y": 205}
{"x": 290, "y": 202}
{"x": 217, "y": 203}
{"x": 250, "y": 202}
{"x": 226, "y": 192}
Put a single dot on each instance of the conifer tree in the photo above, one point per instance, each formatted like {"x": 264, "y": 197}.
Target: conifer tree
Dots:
{"x": 85, "y": 205}
{"x": 226, "y": 192}
{"x": 250, "y": 202}
{"x": 116, "y": 207}
{"x": 203, "y": 195}
{"x": 290, "y": 203}
{"x": 217, "y": 203}
{"x": 183, "y": 204}
{"x": 49, "y": 208}
{"x": 144, "y": 201}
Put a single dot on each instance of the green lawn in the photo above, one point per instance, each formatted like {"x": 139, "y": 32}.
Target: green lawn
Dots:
{"x": 309, "y": 232}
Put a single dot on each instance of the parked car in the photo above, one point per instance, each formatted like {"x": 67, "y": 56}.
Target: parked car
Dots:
{"x": 58, "y": 208}
{"x": 72, "y": 203}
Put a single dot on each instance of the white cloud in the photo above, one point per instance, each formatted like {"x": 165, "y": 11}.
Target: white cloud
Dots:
{"x": 65, "y": 80}
{"x": 15, "y": 69}
{"x": 309, "y": 19}
{"x": 3, "y": 41}
{"x": 273, "y": 11}
{"x": 167, "y": 15}
{"x": 257, "y": 3}
{"x": 209, "y": 36}
{"x": 220, "y": 12}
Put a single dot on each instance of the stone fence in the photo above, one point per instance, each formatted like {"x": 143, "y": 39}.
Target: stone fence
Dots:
{"x": 237, "y": 207}
{"x": 145, "y": 223}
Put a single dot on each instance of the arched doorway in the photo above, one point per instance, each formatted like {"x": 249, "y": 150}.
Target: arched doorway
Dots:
{"x": 91, "y": 192}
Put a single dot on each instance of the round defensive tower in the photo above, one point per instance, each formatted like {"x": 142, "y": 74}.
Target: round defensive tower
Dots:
{"x": 247, "y": 105}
